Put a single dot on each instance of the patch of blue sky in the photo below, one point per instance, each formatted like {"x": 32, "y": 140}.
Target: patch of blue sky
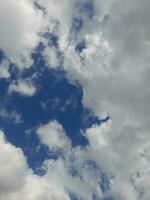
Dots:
{"x": 80, "y": 46}
{"x": 3, "y": 87}
{"x": 77, "y": 25}
{"x": 104, "y": 183}
{"x": 86, "y": 7}
{"x": 56, "y": 99}
{"x": 38, "y": 6}
{"x": 111, "y": 197}
{"x": 74, "y": 172}
{"x": 2, "y": 55}
{"x": 52, "y": 85}
{"x": 95, "y": 197}
{"x": 107, "y": 197}
{"x": 52, "y": 39}
{"x": 39, "y": 64}
{"x": 73, "y": 196}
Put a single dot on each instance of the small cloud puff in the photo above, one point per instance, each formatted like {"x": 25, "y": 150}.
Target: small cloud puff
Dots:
{"x": 23, "y": 87}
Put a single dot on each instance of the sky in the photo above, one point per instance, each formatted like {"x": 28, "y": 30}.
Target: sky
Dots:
{"x": 74, "y": 100}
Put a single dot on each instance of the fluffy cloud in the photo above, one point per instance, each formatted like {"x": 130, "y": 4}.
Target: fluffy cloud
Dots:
{"x": 113, "y": 70}
{"x": 52, "y": 134}
{"x": 13, "y": 115}
{"x": 13, "y": 168}
{"x": 17, "y": 181}
{"x": 75, "y": 171}
{"x": 20, "y": 24}
{"x": 23, "y": 87}
{"x": 122, "y": 155}
{"x": 4, "y": 69}
{"x": 71, "y": 170}
{"x": 58, "y": 18}
{"x": 51, "y": 57}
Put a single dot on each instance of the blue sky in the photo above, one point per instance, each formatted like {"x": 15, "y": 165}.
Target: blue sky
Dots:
{"x": 56, "y": 99}
{"x": 74, "y": 99}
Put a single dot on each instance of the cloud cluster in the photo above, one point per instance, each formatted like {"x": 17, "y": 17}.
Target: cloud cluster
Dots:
{"x": 113, "y": 69}
{"x": 60, "y": 179}
{"x": 23, "y": 87}
{"x": 4, "y": 69}
{"x": 53, "y": 135}
{"x": 77, "y": 170}
{"x": 20, "y": 25}
{"x": 17, "y": 181}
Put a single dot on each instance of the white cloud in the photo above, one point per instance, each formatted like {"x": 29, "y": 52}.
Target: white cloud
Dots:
{"x": 13, "y": 115}
{"x": 114, "y": 72}
{"x": 120, "y": 154}
{"x": 4, "y": 69}
{"x": 52, "y": 134}
{"x": 23, "y": 87}
{"x": 85, "y": 183}
{"x": 20, "y": 24}
{"x": 17, "y": 181}
{"x": 51, "y": 57}
{"x": 12, "y": 168}
{"x": 59, "y": 16}
{"x": 129, "y": 175}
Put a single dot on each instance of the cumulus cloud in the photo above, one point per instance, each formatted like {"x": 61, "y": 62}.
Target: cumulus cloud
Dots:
{"x": 80, "y": 170}
{"x": 51, "y": 57}
{"x": 23, "y": 87}
{"x": 69, "y": 171}
{"x": 113, "y": 69}
{"x": 58, "y": 18}
{"x": 12, "y": 167}
{"x": 52, "y": 134}
{"x": 20, "y": 24}
{"x": 13, "y": 115}
{"x": 4, "y": 69}
{"x": 17, "y": 181}
{"x": 118, "y": 155}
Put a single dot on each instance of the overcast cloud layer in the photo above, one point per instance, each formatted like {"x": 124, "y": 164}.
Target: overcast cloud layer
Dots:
{"x": 104, "y": 46}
